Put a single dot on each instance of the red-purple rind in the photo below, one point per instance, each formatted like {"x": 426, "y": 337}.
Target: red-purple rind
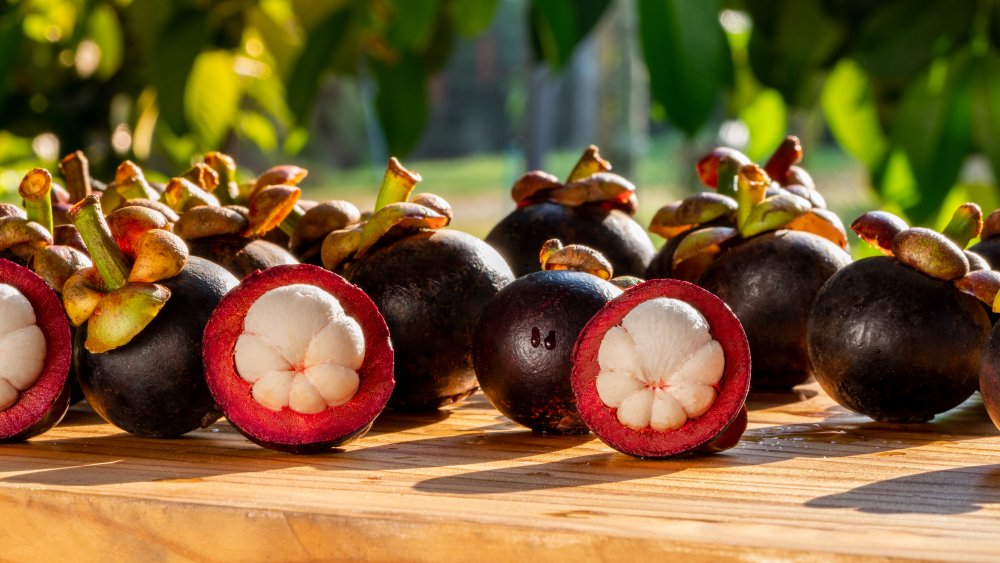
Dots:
{"x": 732, "y": 388}
{"x": 44, "y": 404}
{"x": 287, "y": 430}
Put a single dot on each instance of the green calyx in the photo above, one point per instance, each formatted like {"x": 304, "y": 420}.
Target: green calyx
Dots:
{"x": 395, "y": 215}
{"x": 118, "y": 297}
{"x": 577, "y": 257}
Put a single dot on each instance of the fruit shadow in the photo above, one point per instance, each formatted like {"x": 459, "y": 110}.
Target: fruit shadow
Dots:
{"x": 838, "y": 432}
{"x": 122, "y": 458}
{"x": 770, "y": 398}
{"x": 947, "y": 492}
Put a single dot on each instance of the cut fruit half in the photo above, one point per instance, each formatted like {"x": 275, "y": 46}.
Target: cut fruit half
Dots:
{"x": 663, "y": 369}
{"x": 35, "y": 354}
{"x": 298, "y": 359}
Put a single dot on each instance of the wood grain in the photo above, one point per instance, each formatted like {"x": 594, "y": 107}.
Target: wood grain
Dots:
{"x": 809, "y": 482}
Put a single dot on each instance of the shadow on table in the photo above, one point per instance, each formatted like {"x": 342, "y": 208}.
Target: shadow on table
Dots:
{"x": 579, "y": 471}
{"x": 951, "y": 491}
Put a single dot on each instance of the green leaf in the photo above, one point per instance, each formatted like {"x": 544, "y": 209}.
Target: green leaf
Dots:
{"x": 412, "y": 23}
{"x": 558, "y": 26}
{"x": 401, "y": 102}
{"x": 471, "y": 17}
{"x": 985, "y": 111}
{"x": 172, "y": 63}
{"x": 767, "y": 120}
{"x": 321, "y": 44}
{"x": 105, "y": 30}
{"x": 850, "y": 111}
{"x": 902, "y": 37}
{"x": 258, "y": 129}
{"x": 790, "y": 45}
{"x": 688, "y": 58}
{"x": 933, "y": 128}
{"x": 212, "y": 98}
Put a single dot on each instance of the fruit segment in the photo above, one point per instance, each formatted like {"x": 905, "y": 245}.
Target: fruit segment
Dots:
{"x": 22, "y": 346}
{"x": 660, "y": 367}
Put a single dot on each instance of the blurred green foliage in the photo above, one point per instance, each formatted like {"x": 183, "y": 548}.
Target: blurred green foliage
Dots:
{"x": 183, "y": 77}
{"x": 911, "y": 89}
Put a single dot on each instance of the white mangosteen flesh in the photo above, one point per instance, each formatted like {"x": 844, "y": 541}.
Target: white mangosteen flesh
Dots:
{"x": 660, "y": 367}
{"x": 22, "y": 346}
{"x": 300, "y": 350}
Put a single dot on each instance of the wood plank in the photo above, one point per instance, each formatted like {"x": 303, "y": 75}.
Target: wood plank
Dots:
{"x": 809, "y": 481}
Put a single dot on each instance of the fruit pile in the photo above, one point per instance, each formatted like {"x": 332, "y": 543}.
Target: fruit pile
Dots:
{"x": 168, "y": 306}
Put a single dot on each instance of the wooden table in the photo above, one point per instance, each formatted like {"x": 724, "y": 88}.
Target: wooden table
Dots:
{"x": 809, "y": 481}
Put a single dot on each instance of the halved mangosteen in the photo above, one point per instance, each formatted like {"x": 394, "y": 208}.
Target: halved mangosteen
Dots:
{"x": 662, "y": 370}
{"x": 298, "y": 359}
{"x": 523, "y": 343}
{"x": 35, "y": 354}
{"x": 898, "y": 337}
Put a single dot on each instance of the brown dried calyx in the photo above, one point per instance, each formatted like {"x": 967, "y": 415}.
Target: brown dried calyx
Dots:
{"x": 749, "y": 201}
{"x": 396, "y": 214}
{"x": 939, "y": 255}
{"x": 118, "y": 295}
{"x": 590, "y": 182}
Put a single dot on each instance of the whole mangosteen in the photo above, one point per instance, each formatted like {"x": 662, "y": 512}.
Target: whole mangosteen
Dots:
{"x": 523, "y": 343}
{"x": 764, "y": 248}
{"x": 663, "y": 369}
{"x": 141, "y": 311}
{"x": 431, "y": 285}
{"x": 593, "y": 208}
{"x": 898, "y": 337}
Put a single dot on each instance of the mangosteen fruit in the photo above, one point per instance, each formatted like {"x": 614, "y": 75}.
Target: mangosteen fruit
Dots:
{"x": 35, "y": 354}
{"x": 593, "y": 208}
{"x": 141, "y": 316}
{"x": 298, "y": 359}
{"x": 431, "y": 285}
{"x": 523, "y": 343}
{"x": 663, "y": 369}
{"x": 764, "y": 248}
{"x": 899, "y": 337}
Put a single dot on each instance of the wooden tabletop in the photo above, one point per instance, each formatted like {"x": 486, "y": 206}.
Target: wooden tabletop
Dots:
{"x": 809, "y": 481}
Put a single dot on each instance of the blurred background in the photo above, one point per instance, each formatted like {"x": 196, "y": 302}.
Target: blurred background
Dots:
{"x": 897, "y": 102}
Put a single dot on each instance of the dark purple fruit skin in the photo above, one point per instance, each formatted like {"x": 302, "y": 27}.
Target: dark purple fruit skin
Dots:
{"x": 770, "y": 282}
{"x": 431, "y": 287}
{"x": 523, "y": 347}
{"x": 519, "y": 236}
{"x": 990, "y": 250}
{"x": 892, "y": 343}
{"x": 989, "y": 376}
{"x": 154, "y": 386}
{"x": 239, "y": 255}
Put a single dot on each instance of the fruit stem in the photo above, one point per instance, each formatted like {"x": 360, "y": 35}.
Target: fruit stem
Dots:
{"x": 36, "y": 188}
{"x": 76, "y": 170}
{"x": 109, "y": 260}
{"x": 224, "y": 165}
{"x": 397, "y": 184}
{"x": 590, "y": 163}
{"x": 752, "y": 185}
{"x": 130, "y": 182}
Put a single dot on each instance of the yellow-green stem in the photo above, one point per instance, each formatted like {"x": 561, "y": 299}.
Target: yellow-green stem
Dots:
{"x": 109, "y": 260}
{"x": 397, "y": 184}
{"x": 36, "y": 188}
{"x": 291, "y": 220}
